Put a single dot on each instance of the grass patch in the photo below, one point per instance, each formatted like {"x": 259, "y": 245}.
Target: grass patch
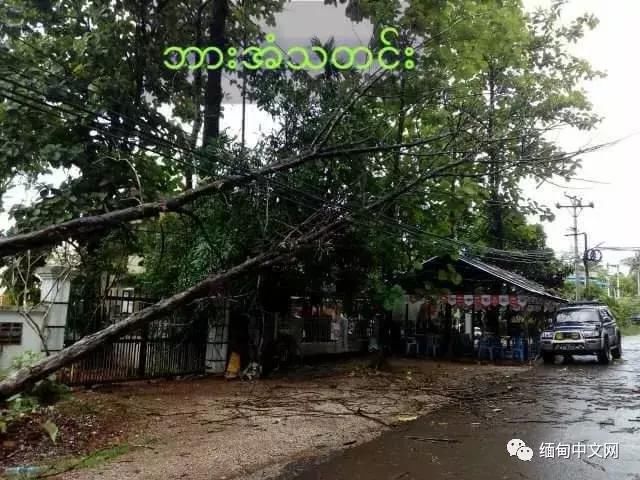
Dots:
{"x": 630, "y": 330}
{"x": 101, "y": 456}
{"x": 91, "y": 460}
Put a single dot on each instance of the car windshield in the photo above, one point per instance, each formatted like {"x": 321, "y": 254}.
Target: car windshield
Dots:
{"x": 578, "y": 316}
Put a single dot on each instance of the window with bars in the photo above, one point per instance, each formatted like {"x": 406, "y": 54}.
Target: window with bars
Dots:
{"x": 10, "y": 333}
{"x": 127, "y": 305}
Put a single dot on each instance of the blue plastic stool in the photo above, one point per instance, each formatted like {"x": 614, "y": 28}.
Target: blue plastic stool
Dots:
{"x": 518, "y": 349}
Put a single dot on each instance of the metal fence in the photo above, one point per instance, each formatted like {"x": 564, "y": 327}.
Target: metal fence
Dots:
{"x": 362, "y": 328}
{"x": 316, "y": 329}
{"x": 169, "y": 346}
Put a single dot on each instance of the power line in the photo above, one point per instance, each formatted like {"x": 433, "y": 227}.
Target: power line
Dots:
{"x": 178, "y": 147}
{"x": 515, "y": 255}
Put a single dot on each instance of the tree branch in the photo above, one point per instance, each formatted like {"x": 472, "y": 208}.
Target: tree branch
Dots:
{"x": 24, "y": 377}
{"x": 81, "y": 226}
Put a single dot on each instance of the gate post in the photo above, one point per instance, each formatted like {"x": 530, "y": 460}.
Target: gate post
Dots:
{"x": 218, "y": 340}
{"x": 55, "y": 286}
{"x": 144, "y": 338}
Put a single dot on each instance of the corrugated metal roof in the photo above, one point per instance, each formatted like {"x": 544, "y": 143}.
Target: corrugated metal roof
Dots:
{"x": 507, "y": 276}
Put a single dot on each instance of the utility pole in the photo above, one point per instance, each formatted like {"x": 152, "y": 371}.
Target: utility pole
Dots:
{"x": 577, "y": 206}
{"x": 585, "y": 260}
{"x": 636, "y": 264}
{"x": 617, "y": 278}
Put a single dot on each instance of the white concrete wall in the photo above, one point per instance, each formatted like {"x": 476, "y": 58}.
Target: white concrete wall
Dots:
{"x": 55, "y": 287}
{"x": 30, "y": 338}
{"x": 50, "y": 317}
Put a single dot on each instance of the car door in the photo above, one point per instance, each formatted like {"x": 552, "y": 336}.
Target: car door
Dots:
{"x": 609, "y": 326}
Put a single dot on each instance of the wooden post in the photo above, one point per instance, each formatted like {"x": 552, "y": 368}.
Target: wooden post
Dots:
{"x": 144, "y": 341}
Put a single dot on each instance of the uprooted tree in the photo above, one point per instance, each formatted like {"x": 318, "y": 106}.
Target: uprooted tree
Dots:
{"x": 437, "y": 152}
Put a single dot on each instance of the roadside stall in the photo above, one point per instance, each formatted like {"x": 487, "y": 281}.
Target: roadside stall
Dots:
{"x": 465, "y": 307}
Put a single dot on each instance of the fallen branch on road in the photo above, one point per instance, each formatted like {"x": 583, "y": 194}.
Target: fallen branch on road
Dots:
{"x": 432, "y": 439}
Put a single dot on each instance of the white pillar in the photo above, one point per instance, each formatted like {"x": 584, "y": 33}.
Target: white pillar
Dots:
{"x": 55, "y": 287}
{"x": 218, "y": 339}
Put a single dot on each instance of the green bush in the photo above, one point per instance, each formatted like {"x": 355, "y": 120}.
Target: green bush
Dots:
{"x": 17, "y": 407}
{"x": 44, "y": 392}
{"x": 26, "y": 359}
{"x": 49, "y": 391}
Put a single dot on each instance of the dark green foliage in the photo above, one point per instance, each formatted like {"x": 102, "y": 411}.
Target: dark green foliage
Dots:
{"x": 489, "y": 82}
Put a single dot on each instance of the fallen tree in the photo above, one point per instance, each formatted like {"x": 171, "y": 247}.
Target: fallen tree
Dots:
{"x": 27, "y": 376}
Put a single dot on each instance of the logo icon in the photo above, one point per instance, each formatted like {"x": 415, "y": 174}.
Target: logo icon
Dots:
{"x": 517, "y": 447}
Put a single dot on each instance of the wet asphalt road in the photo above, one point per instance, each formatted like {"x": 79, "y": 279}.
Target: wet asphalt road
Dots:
{"x": 581, "y": 402}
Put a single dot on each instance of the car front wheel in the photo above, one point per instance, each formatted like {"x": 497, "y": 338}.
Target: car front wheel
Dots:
{"x": 548, "y": 357}
{"x": 617, "y": 353}
{"x": 604, "y": 356}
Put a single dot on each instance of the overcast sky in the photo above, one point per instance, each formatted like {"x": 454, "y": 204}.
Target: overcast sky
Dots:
{"x": 613, "y": 220}
{"x": 610, "y": 48}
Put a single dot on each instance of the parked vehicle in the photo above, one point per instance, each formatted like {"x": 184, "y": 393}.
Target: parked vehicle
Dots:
{"x": 586, "y": 328}
{"x": 635, "y": 318}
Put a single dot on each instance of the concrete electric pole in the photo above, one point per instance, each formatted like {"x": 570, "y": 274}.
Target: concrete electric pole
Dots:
{"x": 577, "y": 206}
{"x": 617, "y": 295}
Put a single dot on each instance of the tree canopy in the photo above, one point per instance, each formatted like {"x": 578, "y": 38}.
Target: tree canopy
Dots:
{"x": 89, "y": 96}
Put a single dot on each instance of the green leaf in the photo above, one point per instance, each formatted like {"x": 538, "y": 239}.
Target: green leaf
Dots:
{"x": 51, "y": 429}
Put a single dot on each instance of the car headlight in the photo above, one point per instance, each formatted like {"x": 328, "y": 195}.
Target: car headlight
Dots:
{"x": 546, "y": 335}
{"x": 591, "y": 334}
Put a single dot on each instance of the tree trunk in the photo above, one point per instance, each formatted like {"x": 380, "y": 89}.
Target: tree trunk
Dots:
{"x": 25, "y": 377}
{"x": 189, "y": 169}
{"x": 213, "y": 92}
{"x": 496, "y": 221}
